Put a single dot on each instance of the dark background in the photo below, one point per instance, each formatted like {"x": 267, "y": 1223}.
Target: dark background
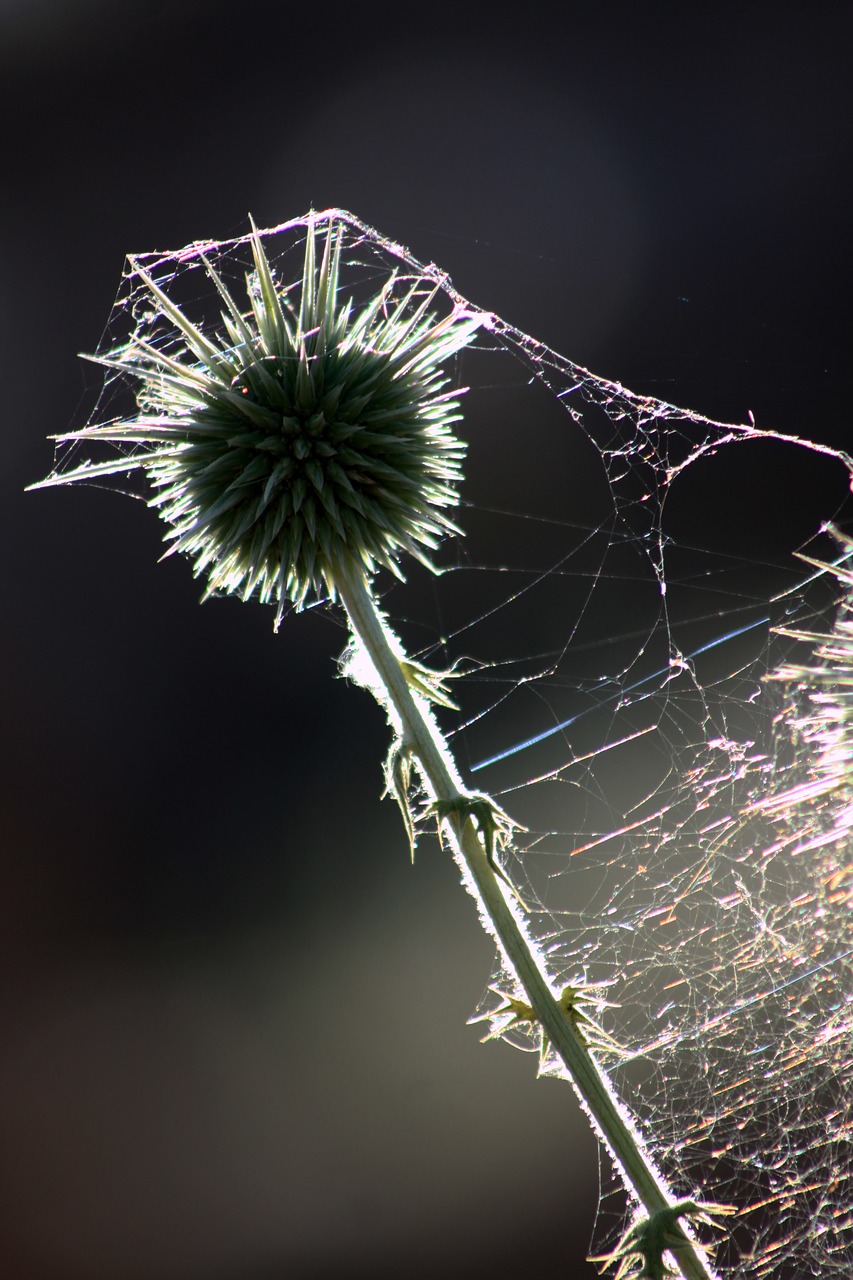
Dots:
{"x": 233, "y": 1017}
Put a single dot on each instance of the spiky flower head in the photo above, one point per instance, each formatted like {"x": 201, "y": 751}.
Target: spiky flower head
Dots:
{"x": 304, "y": 434}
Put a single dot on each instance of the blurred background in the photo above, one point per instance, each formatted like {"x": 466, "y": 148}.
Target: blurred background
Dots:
{"x": 234, "y": 1037}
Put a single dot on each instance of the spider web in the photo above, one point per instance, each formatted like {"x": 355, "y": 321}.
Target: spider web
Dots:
{"x": 633, "y": 633}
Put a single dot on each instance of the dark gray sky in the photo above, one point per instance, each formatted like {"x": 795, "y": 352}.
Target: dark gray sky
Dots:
{"x": 234, "y": 1038}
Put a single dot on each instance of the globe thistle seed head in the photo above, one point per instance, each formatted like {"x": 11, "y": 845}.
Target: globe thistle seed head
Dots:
{"x": 301, "y": 434}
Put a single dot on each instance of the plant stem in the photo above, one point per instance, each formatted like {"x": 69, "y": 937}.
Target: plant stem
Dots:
{"x": 422, "y": 737}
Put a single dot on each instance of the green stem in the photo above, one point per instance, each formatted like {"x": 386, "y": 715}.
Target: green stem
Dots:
{"x": 421, "y": 735}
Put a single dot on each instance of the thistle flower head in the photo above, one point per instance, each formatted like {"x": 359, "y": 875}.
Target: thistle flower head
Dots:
{"x": 302, "y": 434}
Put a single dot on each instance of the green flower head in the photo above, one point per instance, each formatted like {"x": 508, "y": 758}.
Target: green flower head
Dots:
{"x": 302, "y": 434}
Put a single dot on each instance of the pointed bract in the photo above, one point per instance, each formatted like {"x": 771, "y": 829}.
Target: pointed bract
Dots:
{"x": 302, "y": 434}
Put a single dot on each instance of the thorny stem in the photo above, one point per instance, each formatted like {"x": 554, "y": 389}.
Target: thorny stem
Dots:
{"x": 438, "y": 771}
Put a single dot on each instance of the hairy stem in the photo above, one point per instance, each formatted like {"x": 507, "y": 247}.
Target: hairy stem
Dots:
{"x": 421, "y": 736}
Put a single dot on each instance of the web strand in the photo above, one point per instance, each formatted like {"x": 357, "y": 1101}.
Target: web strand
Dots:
{"x": 614, "y": 617}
